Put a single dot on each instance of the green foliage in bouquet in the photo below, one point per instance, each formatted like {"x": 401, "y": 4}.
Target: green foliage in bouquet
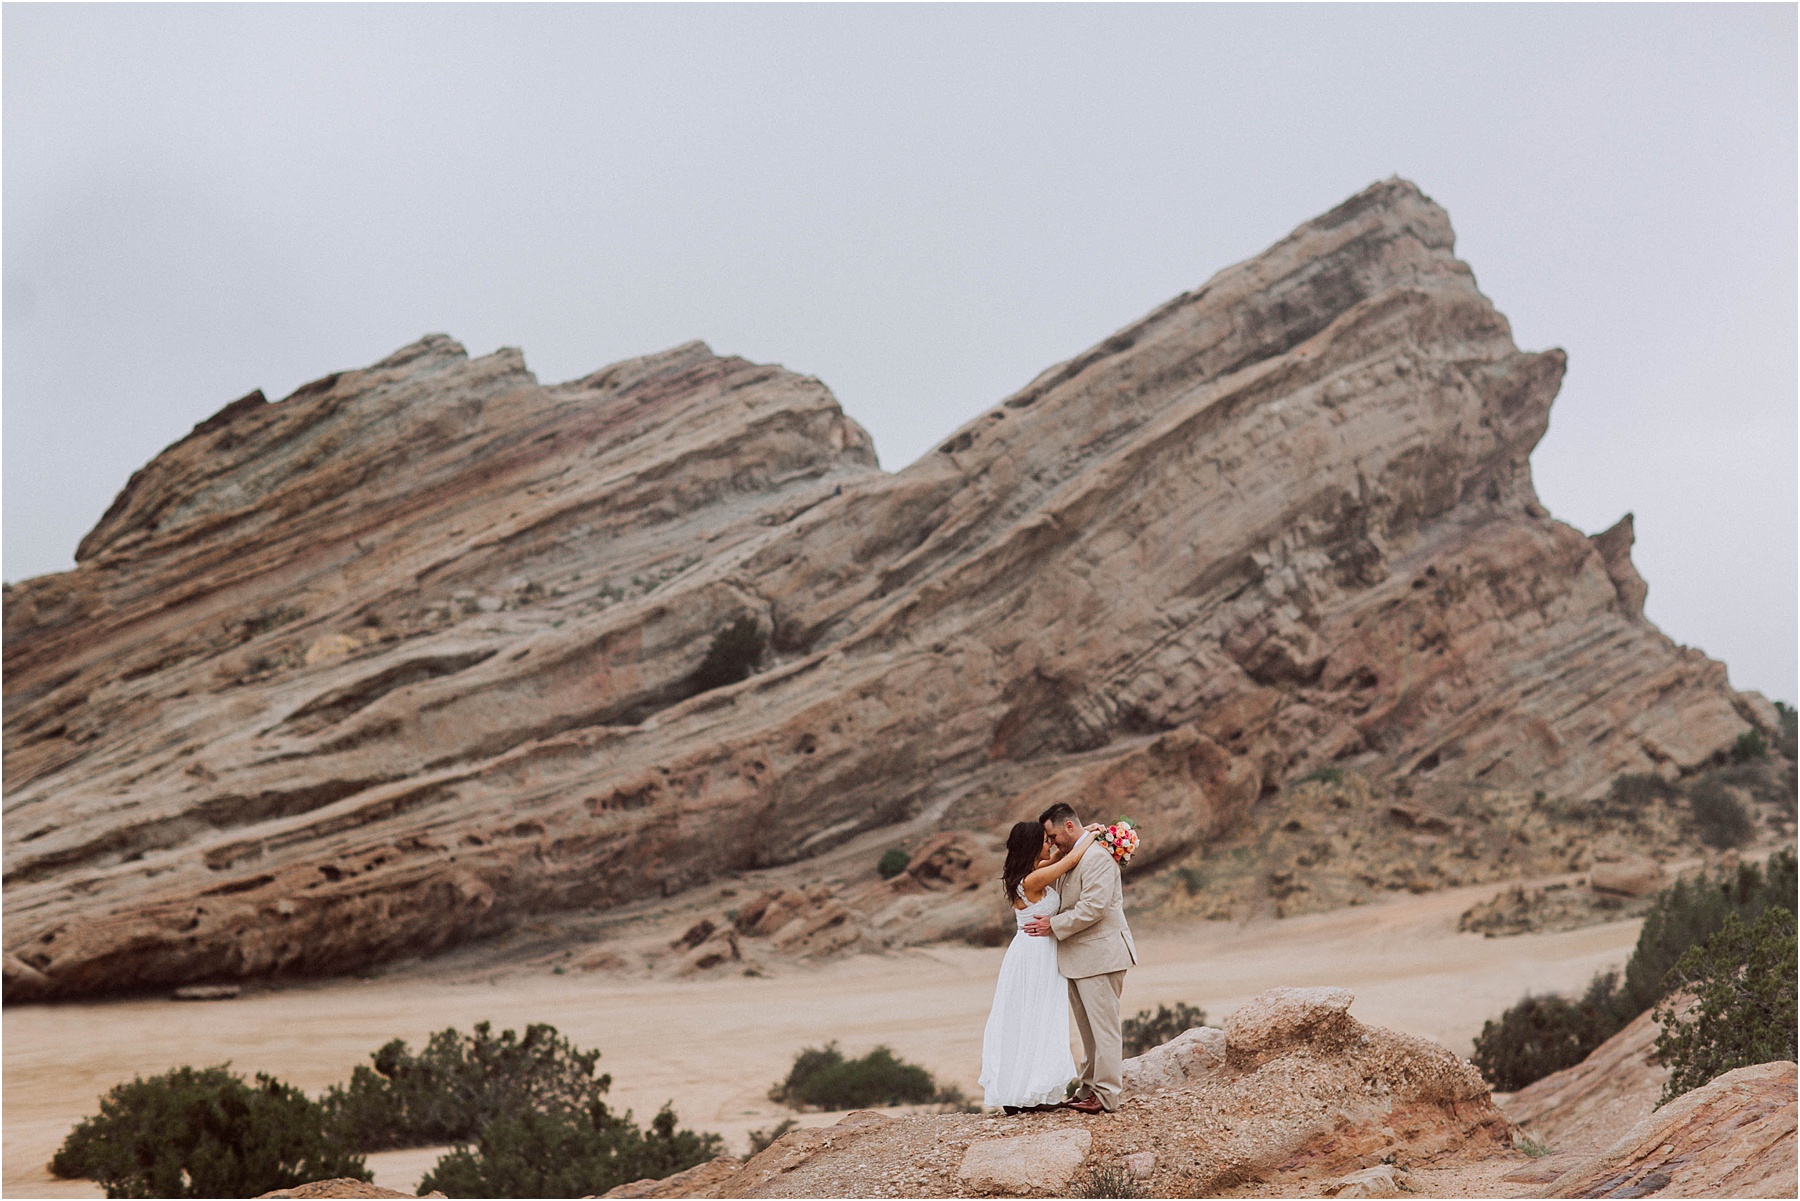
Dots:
{"x": 204, "y": 1133}
{"x": 1744, "y": 983}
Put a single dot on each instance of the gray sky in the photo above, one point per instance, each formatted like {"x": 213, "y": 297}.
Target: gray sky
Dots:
{"x": 923, "y": 206}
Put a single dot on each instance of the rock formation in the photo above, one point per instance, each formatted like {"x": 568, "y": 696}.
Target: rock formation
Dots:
{"x": 1733, "y": 1137}
{"x": 1303, "y": 1095}
{"x": 427, "y": 647}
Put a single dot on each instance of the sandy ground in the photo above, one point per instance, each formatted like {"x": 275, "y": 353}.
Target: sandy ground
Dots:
{"x": 713, "y": 1046}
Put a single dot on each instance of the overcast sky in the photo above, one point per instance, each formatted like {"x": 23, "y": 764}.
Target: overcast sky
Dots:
{"x": 923, "y": 206}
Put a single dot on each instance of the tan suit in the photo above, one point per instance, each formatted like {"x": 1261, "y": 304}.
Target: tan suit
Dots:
{"x": 1094, "y": 950}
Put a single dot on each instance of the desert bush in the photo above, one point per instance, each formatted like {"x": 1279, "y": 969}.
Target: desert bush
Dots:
{"x": 1749, "y": 745}
{"x": 1689, "y": 912}
{"x": 1323, "y": 775}
{"x": 1108, "y": 1180}
{"x": 1530, "y": 1145}
{"x": 822, "y": 1078}
{"x": 1787, "y": 741}
{"x": 733, "y": 655}
{"x": 1743, "y": 980}
{"x": 561, "y": 1153}
{"x": 204, "y": 1133}
{"x": 1541, "y": 1035}
{"x": 1148, "y": 1029}
{"x": 1546, "y": 1034}
{"x": 892, "y": 863}
{"x": 459, "y": 1084}
{"x": 762, "y": 1140}
{"x": 1719, "y": 817}
{"x": 1630, "y": 794}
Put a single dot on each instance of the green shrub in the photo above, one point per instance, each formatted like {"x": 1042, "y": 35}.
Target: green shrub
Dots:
{"x": 460, "y": 1083}
{"x": 1750, "y": 745}
{"x": 564, "y": 1154}
{"x": 1719, "y": 817}
{"x": 1323, "y": 775}
{"x": 1148, "y": 1029}
{"x": 762, "y": 1140}
{"x": 204, "y": 1133}
{"x": 822, "y": 1078}
{"x": 734, "y": 654}
{"x": 892, "y": 863}
{"x": 1687, "y": 913}
{"x": 1541, "y": 1035}
{"x": 1743, "y": 979}
{"x": 1788, "y": 740}
{"x": 1108, "y": 1180}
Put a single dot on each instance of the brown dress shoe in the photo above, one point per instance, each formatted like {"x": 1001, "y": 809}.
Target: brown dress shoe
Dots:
{"x": 1085, "y": 1105}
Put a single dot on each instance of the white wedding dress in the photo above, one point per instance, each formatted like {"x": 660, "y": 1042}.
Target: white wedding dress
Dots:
{"x": 1025, "y": 1057}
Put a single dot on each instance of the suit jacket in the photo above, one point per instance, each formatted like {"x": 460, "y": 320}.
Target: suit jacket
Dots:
{"x": 1092, "y": 938}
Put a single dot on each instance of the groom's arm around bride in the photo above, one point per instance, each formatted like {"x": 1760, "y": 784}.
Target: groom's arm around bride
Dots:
{"x": 1094, "y": 950}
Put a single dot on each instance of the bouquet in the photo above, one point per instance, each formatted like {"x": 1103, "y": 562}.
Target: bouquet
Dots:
{"x": 1120, "y": 840}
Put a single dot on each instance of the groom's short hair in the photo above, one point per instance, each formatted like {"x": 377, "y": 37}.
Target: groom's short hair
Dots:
{"x": 1058, "y": 813}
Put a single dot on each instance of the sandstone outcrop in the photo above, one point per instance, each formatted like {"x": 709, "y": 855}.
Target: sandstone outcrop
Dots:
{"x": 424, "y": 648}
{"x": 1733, "y": 1137}
{"x": 1310, "y": 1097}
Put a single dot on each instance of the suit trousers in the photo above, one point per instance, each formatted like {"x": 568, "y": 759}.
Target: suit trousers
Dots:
{"x": 1094, "y": 1000}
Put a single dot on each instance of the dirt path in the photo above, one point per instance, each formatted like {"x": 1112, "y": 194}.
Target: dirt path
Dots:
{"x": 713, "y": 1047}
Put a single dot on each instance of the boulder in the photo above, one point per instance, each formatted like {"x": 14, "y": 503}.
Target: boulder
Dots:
{"x": 1632, "y": 876}
{"x": 699, "y": 1180}
{"x": 1382, "y": 1180}
{"x": 1733, "y": 1137}
{"x": 1026, "y": 1163}
{"x": 1281, "y": 1017}
{"x": 1183, "y": 1060}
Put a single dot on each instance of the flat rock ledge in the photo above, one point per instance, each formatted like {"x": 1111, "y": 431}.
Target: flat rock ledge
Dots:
{"x": 1733, "y": 1137}
{"x": 1025, "y": 1164}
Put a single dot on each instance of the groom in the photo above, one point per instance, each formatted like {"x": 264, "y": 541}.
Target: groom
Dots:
{"x": 1093, "y": 950}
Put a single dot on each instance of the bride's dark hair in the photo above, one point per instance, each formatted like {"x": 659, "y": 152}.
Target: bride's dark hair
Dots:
{"x": 1022, "y": 848}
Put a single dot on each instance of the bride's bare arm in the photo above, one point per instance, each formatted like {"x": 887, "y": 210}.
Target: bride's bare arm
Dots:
{"x": 1044, "y": 876}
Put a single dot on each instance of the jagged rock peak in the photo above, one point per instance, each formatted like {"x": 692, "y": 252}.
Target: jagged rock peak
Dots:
{"x": 427, "y": 648}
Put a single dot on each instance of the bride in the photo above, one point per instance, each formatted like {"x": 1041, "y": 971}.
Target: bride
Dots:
{"x": 1025, "y": 1060}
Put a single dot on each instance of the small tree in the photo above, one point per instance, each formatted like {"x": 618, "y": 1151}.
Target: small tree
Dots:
{"x": 823, "y": 1079}
{"x": 1719, "y": 816}
{"x": 204, "y": 1133}
{"x": 460, "y": 1083}
{"x": 1743, "y": 979}
{"x": 563, "y": 1154}
{"x": 892, "y": 863}
{"x": 1546, "y": 1034}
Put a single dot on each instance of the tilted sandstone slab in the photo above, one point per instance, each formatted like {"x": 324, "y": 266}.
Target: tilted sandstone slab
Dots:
{"x": 1732, "y": 1137}
{"x": 417, "y": 650}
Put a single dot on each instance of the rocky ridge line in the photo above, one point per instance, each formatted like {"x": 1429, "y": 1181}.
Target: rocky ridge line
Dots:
{"x": 415, "y": 652}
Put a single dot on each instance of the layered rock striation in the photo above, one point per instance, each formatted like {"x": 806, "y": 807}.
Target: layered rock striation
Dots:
{"x": 429, "y": 646}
